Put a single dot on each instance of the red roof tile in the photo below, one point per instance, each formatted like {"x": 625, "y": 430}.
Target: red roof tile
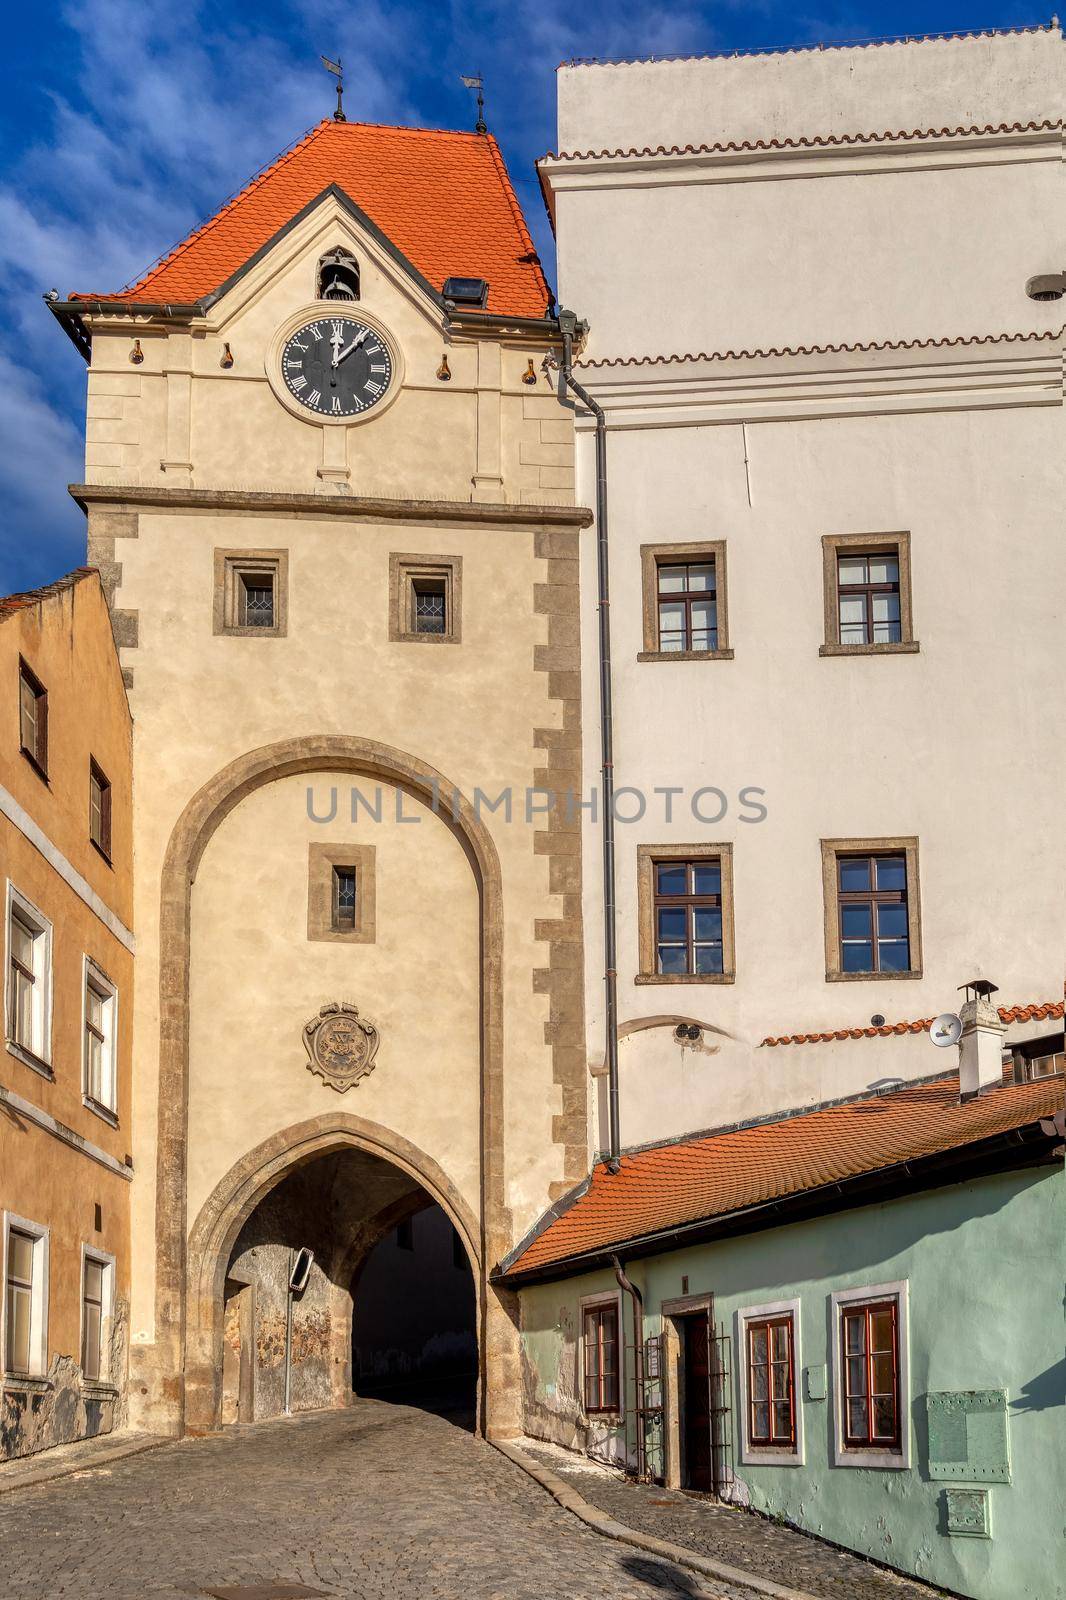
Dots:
{"x": 702, "y": 1178}
{"x": 1038, "y": 1011}
{"x": 11, "y": 603}
{"x": 443, "y": 199}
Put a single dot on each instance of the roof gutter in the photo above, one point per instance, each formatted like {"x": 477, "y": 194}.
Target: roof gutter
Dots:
{"x": 1030, "y": 1145}
{"x": 71, "y": 314}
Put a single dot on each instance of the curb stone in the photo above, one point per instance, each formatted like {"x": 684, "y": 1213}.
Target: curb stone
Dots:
{"x": 570, "y": 1500}
{"x": 31, "y": 1471}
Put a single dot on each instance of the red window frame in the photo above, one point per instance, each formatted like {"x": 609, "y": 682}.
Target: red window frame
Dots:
{"x": 862, "y": 1379}
{"x": 600, "y": 1357}
{"x": 774, "y": 1437}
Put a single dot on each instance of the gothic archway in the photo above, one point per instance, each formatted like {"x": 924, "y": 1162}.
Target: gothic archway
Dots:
{"x": 178, "y": 1345}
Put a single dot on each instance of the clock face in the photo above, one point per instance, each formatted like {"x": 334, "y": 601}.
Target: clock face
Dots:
{"x": 336, "y": 367}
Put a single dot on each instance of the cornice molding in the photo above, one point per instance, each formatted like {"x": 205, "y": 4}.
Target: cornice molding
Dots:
{"x": 353, "y": 508}
{"x": 832, "y": 155}
{"x": 971, "y": 373}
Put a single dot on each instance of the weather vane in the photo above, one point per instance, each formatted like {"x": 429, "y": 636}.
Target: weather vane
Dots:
{"x": 480, "y": 125}
{"x": 338, "y": 72}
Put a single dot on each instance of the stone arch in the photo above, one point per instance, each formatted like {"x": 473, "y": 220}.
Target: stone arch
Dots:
{"x": 236, "y": 1195}
{"x": 158, "y": 1366}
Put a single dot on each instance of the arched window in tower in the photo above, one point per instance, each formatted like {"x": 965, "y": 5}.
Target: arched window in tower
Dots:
{"x": 338, "y": 276}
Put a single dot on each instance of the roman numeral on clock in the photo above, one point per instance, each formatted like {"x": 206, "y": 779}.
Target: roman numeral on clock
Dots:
{"x": 314, "y": 397}
{"x": 336, "y": 403}
{"x": 373, "y": 388}
{"x": 299, "y": 383}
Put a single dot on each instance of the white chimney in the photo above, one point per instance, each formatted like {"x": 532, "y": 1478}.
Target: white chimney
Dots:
{"x": 981, "y": 1044}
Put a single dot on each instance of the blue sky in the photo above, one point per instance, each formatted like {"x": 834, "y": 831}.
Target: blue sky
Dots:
{"x": 126, "y": 122}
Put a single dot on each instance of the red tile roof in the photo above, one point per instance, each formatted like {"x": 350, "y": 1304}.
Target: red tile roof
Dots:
{"x": 698, "y": 1179}
{"x": 443, "y": 199}
{"x": 11, "y": 603}
{"x": 1039, "y": 1011}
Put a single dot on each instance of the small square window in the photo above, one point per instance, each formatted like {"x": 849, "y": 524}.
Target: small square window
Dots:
{"x": 33, "y": 718}
{"x": 99, "y": 810}
{"x": 871, "y": 891}
{"x": 867, "y": 593}
{"x": 341, "y": 893}
{"x": 251, "y": 593}
{"x": 684, "y": 602}
{"x": 1039, "y": 1058}
{"x": 425, "y": 598}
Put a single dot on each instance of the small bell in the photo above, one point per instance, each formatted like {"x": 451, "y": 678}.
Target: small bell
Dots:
{"x": 226, "y": 359}
{"x": 529, "y": 376}
{"x": 444, "y": 371}
{"x": 136, "y": 354}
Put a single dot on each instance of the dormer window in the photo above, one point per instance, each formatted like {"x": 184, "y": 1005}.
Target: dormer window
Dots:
{"x": 338, "y": 276}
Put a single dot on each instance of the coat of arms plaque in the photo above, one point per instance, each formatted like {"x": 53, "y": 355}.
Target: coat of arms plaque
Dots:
{"x": 341, "y": 1045}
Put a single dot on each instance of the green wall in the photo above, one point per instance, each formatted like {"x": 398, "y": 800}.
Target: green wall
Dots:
{"x": 984, "y": 1266}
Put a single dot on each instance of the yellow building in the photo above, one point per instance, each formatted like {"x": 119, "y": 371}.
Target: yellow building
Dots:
{"x": 66, "y": 855}
{"x": 329, "y": 486}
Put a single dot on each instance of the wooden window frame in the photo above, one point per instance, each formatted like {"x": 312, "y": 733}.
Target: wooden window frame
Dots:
{"x": 775, "y": 1452}
{"x": 95, "y": 979}
{"x": 101, "y": 1379}
{"x": 99, "y": 778}
{"x": 834, "y": 545}
{"x": 832, "y": 850}
{"x": 37, "y": 1056}
{"x": 322, "y": 860}
{"x": 405, "y": 570}
{"x": 231, "y": 568}
{"x": 648, "y": 855}
{"x": 37, "y": 752}
{"x": 37, "y": 1366}
{"x": 652, "y": 556}
{"x": 604, "y": 1404}
{"x": 879, "y": 1453}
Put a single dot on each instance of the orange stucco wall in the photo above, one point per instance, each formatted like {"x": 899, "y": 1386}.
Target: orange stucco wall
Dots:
{"x": 66, "y": 639}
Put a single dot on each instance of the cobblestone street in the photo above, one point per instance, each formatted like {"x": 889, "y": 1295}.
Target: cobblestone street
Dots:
{"x": 380, "y": 1501}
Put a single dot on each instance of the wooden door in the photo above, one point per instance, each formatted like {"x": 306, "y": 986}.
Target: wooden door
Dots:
{"x": 698, "y": 1455}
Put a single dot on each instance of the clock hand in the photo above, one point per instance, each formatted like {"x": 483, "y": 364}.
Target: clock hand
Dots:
{"x": 356, "y": 342}
{"x": 336, "y": 340}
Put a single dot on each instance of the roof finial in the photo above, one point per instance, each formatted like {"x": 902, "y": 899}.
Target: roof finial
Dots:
{"x": 480, "y": 126}
{"x": 336, "y": 68}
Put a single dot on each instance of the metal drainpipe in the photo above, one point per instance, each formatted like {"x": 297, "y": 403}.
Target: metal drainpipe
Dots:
{"x": 568, "y": 327}
{"x": 638, "y": 1364}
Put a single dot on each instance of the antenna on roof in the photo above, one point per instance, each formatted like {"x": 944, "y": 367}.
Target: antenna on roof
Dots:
{"x": 480, "y": 126}
{"x": 338, "y": 72}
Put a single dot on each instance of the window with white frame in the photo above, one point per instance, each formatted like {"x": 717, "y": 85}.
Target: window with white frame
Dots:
{"x": 767, "y": 1341}
{"x": 25, "y": 1321}
{"x": 28, "y": 997}
{"x": 96, "y": 1293}
{"x": 101, "y": 1005}
{"x": 870, "y": 1376}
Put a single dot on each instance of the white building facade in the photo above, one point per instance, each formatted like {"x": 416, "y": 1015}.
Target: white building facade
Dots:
{"x": 835, "y": 438}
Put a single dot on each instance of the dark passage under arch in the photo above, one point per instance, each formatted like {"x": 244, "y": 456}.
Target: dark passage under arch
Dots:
{"x": 414, "y": 1317}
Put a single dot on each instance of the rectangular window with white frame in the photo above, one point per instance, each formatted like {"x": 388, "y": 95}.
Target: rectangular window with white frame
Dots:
{"x": 870, "y": 1387}
{"x": 25, "y": 1286}
{"x": 101, "y": 1033}
{"x": 28, "y": 986}
{"x": 768, "y": 1366}
{"x": 97, "y": 1298}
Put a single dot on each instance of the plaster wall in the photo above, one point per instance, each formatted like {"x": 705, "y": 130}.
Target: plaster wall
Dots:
{"x": 998, "y": 1328}
{"x": 810, "y": 92}
{"x": 931, "y": 744}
